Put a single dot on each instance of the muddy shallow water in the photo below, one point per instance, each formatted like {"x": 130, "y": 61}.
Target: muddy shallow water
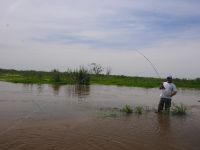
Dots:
{"x": 75, "y": 117}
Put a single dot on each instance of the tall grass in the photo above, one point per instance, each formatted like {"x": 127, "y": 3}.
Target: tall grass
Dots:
{"x": 82, "y": 76}
{"x": 138, "y": 110}
{"x": 178, "y": 109}
{"x": 55, "y": 76}
{"x": 127, "y": 109}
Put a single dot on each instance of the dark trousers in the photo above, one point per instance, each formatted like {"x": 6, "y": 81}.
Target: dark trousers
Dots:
{"x": 164, "y": 102}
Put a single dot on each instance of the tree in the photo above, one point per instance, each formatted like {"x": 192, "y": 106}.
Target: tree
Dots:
{"x": 96, "y": 68}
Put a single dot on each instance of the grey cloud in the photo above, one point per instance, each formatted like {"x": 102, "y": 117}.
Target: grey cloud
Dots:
{"x": 51, "y": 34}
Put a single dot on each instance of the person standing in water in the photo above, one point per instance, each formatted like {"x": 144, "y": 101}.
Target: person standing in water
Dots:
{"x": 168, "y": 91}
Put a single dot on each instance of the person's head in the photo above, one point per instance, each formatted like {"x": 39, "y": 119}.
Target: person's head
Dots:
{"x": 169, "y": 79}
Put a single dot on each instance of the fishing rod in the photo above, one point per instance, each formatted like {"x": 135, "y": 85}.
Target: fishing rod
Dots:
{"x": 148, "y": 60}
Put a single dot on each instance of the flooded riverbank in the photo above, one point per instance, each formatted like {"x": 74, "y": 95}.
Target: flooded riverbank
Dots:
{"x": 70, "y": 117}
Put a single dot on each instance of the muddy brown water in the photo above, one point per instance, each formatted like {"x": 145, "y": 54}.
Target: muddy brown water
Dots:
{"x": 46, "y": 117}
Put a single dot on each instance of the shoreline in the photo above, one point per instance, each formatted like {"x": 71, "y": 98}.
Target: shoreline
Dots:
{"x": 70, "y": 78}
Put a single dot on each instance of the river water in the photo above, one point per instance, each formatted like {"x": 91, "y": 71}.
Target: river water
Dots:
{"x": 88, "y": 117}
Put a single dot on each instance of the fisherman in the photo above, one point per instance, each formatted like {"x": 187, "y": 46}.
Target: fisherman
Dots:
{"x": 168, "y": 91}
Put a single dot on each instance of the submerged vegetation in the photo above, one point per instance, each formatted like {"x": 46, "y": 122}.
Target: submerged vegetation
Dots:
{"x": 138, "y": 110}
{"x": 178, "y": 109}
{"x": 127, "y": 109}
{"x": 93, "y": 75}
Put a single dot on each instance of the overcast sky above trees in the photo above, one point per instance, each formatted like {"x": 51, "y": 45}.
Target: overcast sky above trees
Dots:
{"x": 48, "y": 34}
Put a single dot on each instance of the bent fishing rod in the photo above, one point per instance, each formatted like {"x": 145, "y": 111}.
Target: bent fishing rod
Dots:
{"x": 148, "y": 60}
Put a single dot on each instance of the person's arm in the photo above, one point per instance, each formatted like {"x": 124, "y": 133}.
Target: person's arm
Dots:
{"x": 173, "y": 93}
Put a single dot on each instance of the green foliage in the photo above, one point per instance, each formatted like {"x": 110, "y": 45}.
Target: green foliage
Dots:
{"x": 138, "y": 110}
{"x": 179, "y": 109}
{"x": 82, "y": 76}
{"x": 125, "y": 81}
{"x": 56, "y": 76}
{"x": 127, "y": 109}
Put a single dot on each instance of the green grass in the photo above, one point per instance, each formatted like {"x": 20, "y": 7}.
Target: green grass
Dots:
{"x": 55, "y": 76}
{"x": 127, "y": 109}
{"x": 145, "y": 82}
{"x": 138, "y": 110}
{"x": 178, "y": 109}
{"x": 82, "y": 76}
{"x": 125, "y": 81}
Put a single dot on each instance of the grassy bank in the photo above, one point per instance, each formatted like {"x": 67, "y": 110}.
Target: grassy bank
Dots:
{"x": 82, "y": 76}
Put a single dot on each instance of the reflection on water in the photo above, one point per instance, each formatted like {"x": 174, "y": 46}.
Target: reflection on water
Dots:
{"x": 98, "y": 96}
{"x": 164, "y": 123}
{"x": 80, "y": 91}
{"x": 27, "y": 87}
{"x": 56, "y": 89}
{"x": 40, "y": 88}
{"x": 53, "y": 114}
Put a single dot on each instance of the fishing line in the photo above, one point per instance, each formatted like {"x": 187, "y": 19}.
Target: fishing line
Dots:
{"x": 148, "y": 60}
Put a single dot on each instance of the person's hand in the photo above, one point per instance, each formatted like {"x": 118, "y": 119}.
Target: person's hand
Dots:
{"x": 174, "y": 93}
{"x": 161, "y": 86}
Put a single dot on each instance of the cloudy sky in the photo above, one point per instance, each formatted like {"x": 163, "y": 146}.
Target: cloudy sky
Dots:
{"x": 48, "y": 34}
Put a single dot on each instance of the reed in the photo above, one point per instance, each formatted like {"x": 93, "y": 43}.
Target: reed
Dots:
{"x": 178, "y": 109}
{"x": 127, "y": 109}
{"x": 82, "y": 76}
{"x": 55, "y": 76}
{"x": 138, "y": 110}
